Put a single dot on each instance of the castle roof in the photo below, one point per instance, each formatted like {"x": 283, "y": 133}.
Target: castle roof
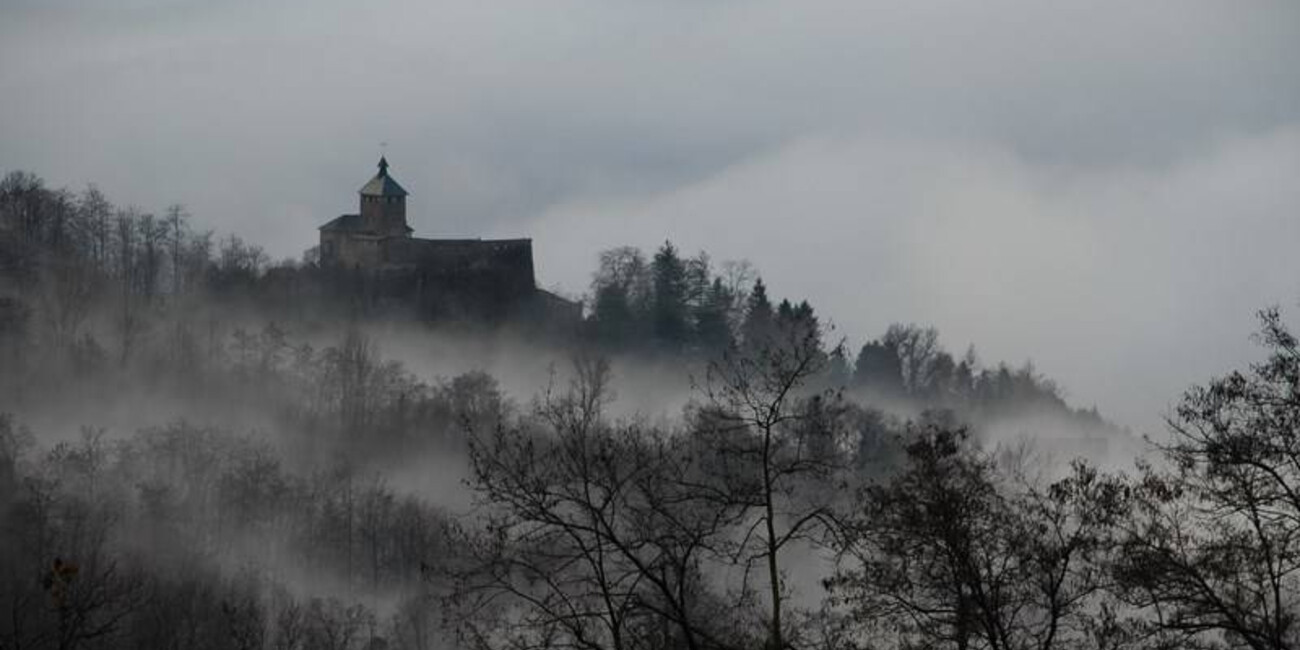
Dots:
{"x": 349, "y": 223}
{"x": 382, "y": 184}
{"x": 346, "y": 223}
{"x": 460, "y": 254}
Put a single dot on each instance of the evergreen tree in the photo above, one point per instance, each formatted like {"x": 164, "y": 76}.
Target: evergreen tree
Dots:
{"x": 612, "y": 316}
{"x": 879, "y": 369}
{"x": 712, "y": 326}
{"x": 619, "y": 297}
{"x": 784, "y": 313}
{"x": 669, "y": 308}
{"x": 838, "y": 373}
{"x": 804, "y": 321}
{"x": 759, "y": 320}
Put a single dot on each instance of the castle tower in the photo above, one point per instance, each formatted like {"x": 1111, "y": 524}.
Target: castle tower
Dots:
{"x": 383, "y": 205}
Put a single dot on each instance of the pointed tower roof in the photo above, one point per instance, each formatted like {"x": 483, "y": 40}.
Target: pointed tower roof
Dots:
{"x": 382, "y": 184}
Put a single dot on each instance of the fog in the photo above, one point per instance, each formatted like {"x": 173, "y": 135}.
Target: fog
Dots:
{"x": 1124, "y": 284}
{"x": 201, "y": 449}
{"x": 1107, "y": 188}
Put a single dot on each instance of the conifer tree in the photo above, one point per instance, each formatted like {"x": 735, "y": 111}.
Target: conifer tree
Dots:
{"x": 759, "y": 319}
{"x": 669, "y": 313}
{"x": 712, "y": 326}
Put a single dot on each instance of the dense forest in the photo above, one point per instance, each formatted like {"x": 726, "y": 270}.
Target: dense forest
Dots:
{"x": 202, "y": 448}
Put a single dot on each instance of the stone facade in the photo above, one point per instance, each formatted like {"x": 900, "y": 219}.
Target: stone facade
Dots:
{"x": 475, "y": 278}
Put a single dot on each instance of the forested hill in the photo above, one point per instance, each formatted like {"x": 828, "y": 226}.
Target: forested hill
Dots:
{"x": 200, "y": 448}
{"x": 88, "y": 287}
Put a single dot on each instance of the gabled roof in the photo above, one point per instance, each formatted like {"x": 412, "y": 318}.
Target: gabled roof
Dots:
{"x": 346, "y": 223}
{"x": 382, "y": 184}
{"x": 352, "y": 223}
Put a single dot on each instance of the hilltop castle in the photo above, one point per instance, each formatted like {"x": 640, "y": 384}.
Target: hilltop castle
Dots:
{"x": 475, "y": 278}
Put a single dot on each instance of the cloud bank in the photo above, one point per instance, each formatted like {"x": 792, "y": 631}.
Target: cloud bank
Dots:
{"x": 1106, "y": 187}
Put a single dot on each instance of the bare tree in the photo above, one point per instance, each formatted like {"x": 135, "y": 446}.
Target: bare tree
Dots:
{"x": 352, "y": 367}
{"x": 128, "y": 322}
{"x": 1213, "y": 554}
{"x": 96, "y": 212}
{"x": 152, "y": 239}
{"x": 65, "y": 585}
{"x": 67, "y": 291}
{"x": 334, "y": 625}
{"x": 955, "y": 552}
{"x": 175, "y": 224}
{"x": 916, "y": 348}
{"x": 775, "y": 453}
{"x": 592, "y": 535}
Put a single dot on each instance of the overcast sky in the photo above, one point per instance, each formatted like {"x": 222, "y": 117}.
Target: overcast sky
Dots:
{"x": 1108, "y": 188}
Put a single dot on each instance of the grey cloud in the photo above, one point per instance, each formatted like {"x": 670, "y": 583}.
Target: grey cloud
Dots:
{"x": 926, "y": 142}
{"x": 1126, "y": 284}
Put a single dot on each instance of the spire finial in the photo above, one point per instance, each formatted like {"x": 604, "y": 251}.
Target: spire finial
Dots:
{"x": 383, "y": 166}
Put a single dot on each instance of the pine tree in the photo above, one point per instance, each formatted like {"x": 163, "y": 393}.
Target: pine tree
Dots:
{"x": 669, "y": 313}
{"x": 879, "y": 369}
{"x": 712, "y": 329}
{"x": 759, "y": 320}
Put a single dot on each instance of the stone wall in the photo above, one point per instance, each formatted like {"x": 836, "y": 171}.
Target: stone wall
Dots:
{"x": 469, "y": 277}
{"x": 384, "y": 214}
{"x": 351, "y": 249}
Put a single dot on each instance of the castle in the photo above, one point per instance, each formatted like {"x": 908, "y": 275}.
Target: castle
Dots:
{"x": 441, "y": 278}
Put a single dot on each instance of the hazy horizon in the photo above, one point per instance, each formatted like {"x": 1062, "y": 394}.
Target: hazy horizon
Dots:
{"x": 1108, "y": 190}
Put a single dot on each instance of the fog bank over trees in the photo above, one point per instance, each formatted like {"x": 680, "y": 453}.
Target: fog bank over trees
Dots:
{"x": 859, "y": 325}
{"x": 1086, "y": 186}
{"x": 201, "y": 447}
